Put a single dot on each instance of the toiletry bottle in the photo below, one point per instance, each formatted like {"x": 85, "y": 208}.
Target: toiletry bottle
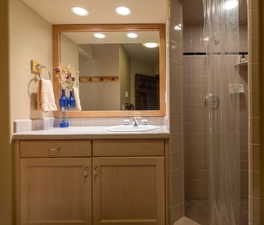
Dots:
{"x": 72, "y": 102}
{"x": 63, "y": 100}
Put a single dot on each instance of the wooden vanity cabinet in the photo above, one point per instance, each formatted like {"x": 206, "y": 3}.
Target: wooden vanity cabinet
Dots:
{"x": 128, "y": 191}
{"x": 128, "y": 183}
{"x": 56, "y": 191}
{"x": 54, "y": 182}
{"x": 108, "y": 184}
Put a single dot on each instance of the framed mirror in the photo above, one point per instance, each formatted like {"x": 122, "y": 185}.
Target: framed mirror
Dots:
{"x": 110, "y": 70}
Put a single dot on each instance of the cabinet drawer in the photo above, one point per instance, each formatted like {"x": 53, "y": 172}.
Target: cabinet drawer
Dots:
{"x": 55, "y": 149}
{"x": 129, "y": 148}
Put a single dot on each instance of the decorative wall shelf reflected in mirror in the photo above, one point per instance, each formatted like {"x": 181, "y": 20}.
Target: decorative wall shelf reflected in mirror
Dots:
{"x": 133, "y": 53}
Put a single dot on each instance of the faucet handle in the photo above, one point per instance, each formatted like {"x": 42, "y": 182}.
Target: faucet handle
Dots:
{"x": 127, "y": 122}
{"x": 144, "y": 122}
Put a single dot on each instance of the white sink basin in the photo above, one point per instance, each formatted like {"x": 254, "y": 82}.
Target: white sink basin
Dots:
{"x": 131, "y": 128}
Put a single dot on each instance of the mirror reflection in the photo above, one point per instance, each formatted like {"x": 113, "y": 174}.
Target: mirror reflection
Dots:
{"x": 113, "y": 70}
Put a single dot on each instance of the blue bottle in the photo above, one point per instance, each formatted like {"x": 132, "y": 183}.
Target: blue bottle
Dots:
{"x": 71, "y": 100}
{"x": 63, "y": 100}
{"x": 64, "y": 123}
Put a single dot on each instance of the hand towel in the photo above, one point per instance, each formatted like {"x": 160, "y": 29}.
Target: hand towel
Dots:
{"x": 47, "y": 96}
{"x": 77, "y": 98}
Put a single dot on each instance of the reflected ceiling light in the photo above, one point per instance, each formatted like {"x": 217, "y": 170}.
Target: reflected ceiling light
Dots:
{"x": 123, "y": 11}
{"x": 99, "y": 35}
{"x": 151, "y": 45}
{"x": 79, "y": 11}
{"x": 230, "y": 4}
{"x": 206, "y": 39}
{"x": 178, "y": 27}
{"x": 132, "y": 35}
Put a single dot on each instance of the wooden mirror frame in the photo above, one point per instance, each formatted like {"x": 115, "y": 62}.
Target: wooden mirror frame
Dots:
{"x": 59, "y": 29}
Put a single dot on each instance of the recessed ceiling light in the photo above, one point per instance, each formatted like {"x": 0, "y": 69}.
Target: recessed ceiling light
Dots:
{"x": 123, "y": 11}
{"x": 99, "y": 35}
{"x": 178, "y": 27}
{"x": 151, "y": 45}
{"x": 206, "y": 39}
{"x": 132, "y": 35}
{"x": 79, "y": 11}
{"x": 230, "y": 4}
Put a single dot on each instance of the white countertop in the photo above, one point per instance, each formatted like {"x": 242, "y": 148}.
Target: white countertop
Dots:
{"x": 98, "y": 132}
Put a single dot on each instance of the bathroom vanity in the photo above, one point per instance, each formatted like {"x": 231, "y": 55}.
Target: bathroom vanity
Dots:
{"x": 97, "y": 176}
{"x": 91, "y": 178}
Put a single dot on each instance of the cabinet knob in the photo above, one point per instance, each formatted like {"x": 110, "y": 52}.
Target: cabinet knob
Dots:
{"x": 95, "y": 171}
{"x": 53, "y": 151}
{"x": 86, "y": 172}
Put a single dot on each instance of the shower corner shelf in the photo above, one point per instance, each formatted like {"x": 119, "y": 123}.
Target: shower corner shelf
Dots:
{"x": 242, "y": 64}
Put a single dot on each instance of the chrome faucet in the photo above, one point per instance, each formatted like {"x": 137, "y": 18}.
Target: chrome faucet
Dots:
{"x": 135, "y": 122}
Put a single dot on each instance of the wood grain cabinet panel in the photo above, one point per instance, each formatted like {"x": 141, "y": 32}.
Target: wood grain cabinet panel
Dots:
{"x": 99, "y": 182}
{"x": 56, "y": 191}
{"x": 55, "y": 149}
{"x": 129, "y": 147}
{"x": 128, "y": 191}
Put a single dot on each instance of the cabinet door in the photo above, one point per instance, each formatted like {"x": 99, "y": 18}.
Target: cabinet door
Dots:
{"x": 56, "y": 191}
{"x": 129, "y": 191}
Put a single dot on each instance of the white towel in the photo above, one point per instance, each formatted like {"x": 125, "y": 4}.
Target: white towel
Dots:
{"x": 77, "y": 98}
{"x": 47, "y": 96}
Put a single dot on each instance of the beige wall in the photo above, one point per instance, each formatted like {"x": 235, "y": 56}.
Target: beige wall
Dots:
{"x": 5, "y": 147}
{"x": 30, "y": 38}
{"x": 69, "y": 53}
{"x": 101, "y": 60}
{"x": 124, "y": 76}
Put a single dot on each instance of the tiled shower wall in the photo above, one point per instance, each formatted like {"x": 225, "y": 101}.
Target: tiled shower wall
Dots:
{"x": 195, "y": 127}
{"x": 176, "y": 162}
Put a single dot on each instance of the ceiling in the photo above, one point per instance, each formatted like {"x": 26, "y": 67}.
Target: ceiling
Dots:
{"x": 112, "y": 37}
{"x": 100, "y": 11}
{"x": 193, "y": 12}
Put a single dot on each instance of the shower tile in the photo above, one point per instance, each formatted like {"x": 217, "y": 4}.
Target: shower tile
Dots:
{"x": 244, "y": 151}
{"x": 196, "y": 190}
{"x": 255, "y": 210}
{"x": 256, "y": 184}
{"x": 253, "y": 5}
{"x": 254, "y": 89}
{"x": 254, "y": 127}
{"x": 177, "y": 192}
{"x": 255, "y": 177}
{"x": 244, "y": 185}
{"x": 198, "y": 210}
{"x": 178, "y": 212}
{"x": 243, "y": 38}
{"x": 244, "y": 212}
{"x": 255, "y": 157}
{"x": 254, "y": 39}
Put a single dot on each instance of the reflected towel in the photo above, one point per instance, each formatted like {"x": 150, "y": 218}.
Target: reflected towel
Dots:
{"x": 47, "y": 96}
{"x": 77, "y": 99}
